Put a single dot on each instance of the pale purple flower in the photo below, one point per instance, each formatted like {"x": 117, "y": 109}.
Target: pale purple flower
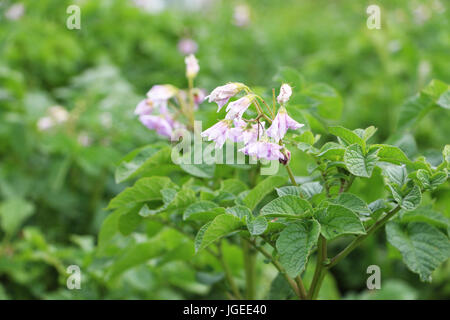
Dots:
{"x": 222, "y": 94}
{"x": 45, "y": 123}
{"x": 245, "y": 132}
{"x": 285, "y": 94}
{"x": 160, "y": 94}
{"x": 199, "y": 97}
{"x": 281, "y": 124}
{"x": 187, "y": 46}
{"x": 237, "y": 108}
{"x": 218, "y": 132}
{"x": 192, "y": 67}
{"x": 158, "y": 123}
{"x": 144, "y": 107}
{"x": 263, "y": 150}
{"x": 15, "y": 12}
{"x": 241, "y": 15}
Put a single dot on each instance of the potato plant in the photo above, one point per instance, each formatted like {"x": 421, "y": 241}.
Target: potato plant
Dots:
{"x": 280, "y": 219}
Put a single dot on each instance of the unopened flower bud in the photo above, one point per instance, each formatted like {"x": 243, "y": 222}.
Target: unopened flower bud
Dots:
{"x": 192, "y": 67}
{"x": 286, "y": 157}
{"x": 285, "y": 94}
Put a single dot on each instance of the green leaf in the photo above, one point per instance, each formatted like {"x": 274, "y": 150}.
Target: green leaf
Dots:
{"x": 410, "y": 201}
{"x": 129, "y": 220}
{"x": 347, "y": 136}
{"x": 14, "y": 212}
{"x": 141, "y": 160}
{"x": 438, "y": 178}
{"x": 424, "y": 178}
{"x": 291, "y": 76}
{"x": 262, "y": 189}
{"x": 391, "y": 154}
{"x": 396, "y": 175}
{"x": 369, "y": 132}
{"x": 280, "y": 289}
{"x": 135, "y": 255}
{"x": 446, "y": 155}
{"x": 202, "y": 211}
{"x": 310, "y": 189}
{"x": 239, "y": 211}
{"x": 444, "y": 100}
{"x": 183, "y": 199}
{"x": 109, "y": 227}
{"x": 353, "y": 202}
{"x": 205, "y": 216}
{"x": 200, "y": 206}
{"x": 199, "y": 170}
{"x": 425, "y": 214}
{"x": 257, "y": 225}
{"x": 306, "y": 137}
{"x": 359, "y": 164}
{"x": 233, "y": 186}
{"x": 288, "y": 190}
{"x": 337, "y": 220}
{"x": 145, "y": 189}
{"x": 329, "y": 103}
{"x": 295, "y": 244}
{"x": 220, "y": 227}
{"x": 332, "y": 151}
{"x": 287, "y": 206}
{"x": 435, "y": 94}
{"x": 422, "y": 246}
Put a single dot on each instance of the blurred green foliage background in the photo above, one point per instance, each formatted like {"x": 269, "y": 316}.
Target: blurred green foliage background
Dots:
{"x": 54, "y": 183}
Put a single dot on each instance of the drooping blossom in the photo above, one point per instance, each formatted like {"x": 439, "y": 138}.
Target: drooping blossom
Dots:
{"x": 159, "y": 94}
{"x": 245, "y": 132}
{"x": 144, "y": 107}
{"x": 281, "y": 124}
{"x": 158, "y": 123}
{"x": 222, "y": 94}
{"x": 285, "y": 94}
{"x": 192, "y": 67}
{"x": 218, "y": 132}
{"x": 241, "y": 15}
{"x": 263, "y": 150}
{"x": 237, "y": 108}
{"x": 187, "y": 46}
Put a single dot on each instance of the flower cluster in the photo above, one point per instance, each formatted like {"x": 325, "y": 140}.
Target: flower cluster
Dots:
{"x": 258, "y": 142}
{"x": 168, "y": 108}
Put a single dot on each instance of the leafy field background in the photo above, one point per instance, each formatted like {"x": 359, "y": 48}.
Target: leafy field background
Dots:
{"x": 55, "y": 184}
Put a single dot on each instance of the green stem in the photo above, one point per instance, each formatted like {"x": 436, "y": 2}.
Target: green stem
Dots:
{"x": 291, "y": 175}
{"x": 356, "y": 242}
{"x": 191, "y": 101}
{"x": 261, "y": 113}
{"x": 301, "y": 287}
{"x": 228, "y": 275}
{"x": 249, "y": 264}
{"x": 318, "y": 273}
{"x": 279, "y": 267}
